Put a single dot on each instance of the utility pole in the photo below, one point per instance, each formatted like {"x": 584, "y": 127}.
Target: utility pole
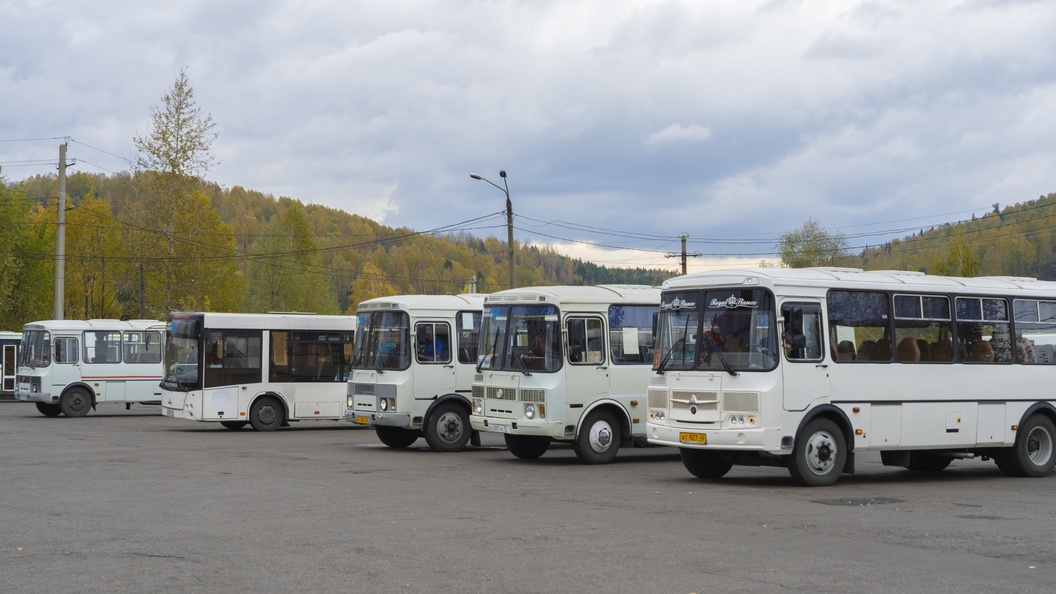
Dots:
{"x": 60, "y": 237}
{"x": 684, "y": 254}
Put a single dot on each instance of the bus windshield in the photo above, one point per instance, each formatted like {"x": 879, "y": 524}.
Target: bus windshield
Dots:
{"x": 36, "y": 349}
{"x": 181, "y": 355}
{"x": 522, "y": 338}
{"x": 382, "y": 341}
{"x": 717, "y": 329}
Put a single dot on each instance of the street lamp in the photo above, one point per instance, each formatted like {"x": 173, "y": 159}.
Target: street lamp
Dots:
{"x": 509, "y": 218}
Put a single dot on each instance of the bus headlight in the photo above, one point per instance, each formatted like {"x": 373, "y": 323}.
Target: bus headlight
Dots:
{"x": 656, "y": 415}
{"x": 387, "y": 404}
{"x": 478, "y": 406}
{"x": 351, "y": 404}
{"x": 529, "y": 411}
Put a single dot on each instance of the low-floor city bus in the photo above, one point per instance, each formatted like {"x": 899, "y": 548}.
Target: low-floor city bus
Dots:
{"x": 70, "y": 366}
{"x": 412, "y": 372}
{"x": 566, "y": 364}
{"x": 804, "y": 368}
{"x": 264, "y": 370}
{"x": 9, "y": 342}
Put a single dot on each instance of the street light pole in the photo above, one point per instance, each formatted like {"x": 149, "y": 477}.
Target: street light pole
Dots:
{"x": 505, "y": 189}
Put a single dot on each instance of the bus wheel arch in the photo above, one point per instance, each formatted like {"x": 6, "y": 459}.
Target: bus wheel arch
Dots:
{"x": 76, "y": 400}
{"x": 601, "y": 432}
{"x": 268, "y": 412}
{"x": 1034, "y": 452}
{"x": 446, "y": 425}
{"x": 821, "y": 451}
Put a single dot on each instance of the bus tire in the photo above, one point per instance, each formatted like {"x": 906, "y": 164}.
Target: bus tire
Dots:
{"x": 1033, "y": 453}
{"x": 75, "y": 402}
{"x": 266, "y": 414}
{"x": 233, "y": 424}
{"x": 396, "y": 437}
{"x": 527, "y": 447}
{"x": 599, "y": 438}
{"x": 705, "y": 465}
{"x": 1001, "y": 459}
{"x": 925, "y": 462}
{"x": 49, "y": 409}
{"x": 447, "y": 429}
{"x": 819, "y": 455}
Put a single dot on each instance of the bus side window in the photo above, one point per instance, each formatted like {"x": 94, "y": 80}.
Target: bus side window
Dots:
{"x": 802, "y": 331}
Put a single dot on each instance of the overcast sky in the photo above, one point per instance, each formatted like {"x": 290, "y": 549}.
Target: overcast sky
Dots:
{"x": 619, "y": 122}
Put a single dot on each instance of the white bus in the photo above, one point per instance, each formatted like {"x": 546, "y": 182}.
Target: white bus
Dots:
{"x": 412, "y": 372}
{"x": 9, "y": 342}
{"x": 567, "y": 364}
{"x": 803, "y": 368}
{"x": 258, "y": 369}
{"x": 69, "y": 366}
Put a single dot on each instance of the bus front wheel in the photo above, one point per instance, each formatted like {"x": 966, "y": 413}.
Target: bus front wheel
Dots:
{"x": 599, "y": 438}
{"x": 527, "y": 447}
{"x": 448, "y": 428}
{"x": 49, "y": 409}
{"x": 396, "y": 437}
{"x": 819, "y": 455}
{"x": 266, "y": 414}
{"x": 75, "y": 402}
{"x": 705, "y": 465}
{"x": 1032, "y": 454}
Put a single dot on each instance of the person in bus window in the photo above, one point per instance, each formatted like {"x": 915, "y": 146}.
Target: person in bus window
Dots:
{"x": 433, "y": 348}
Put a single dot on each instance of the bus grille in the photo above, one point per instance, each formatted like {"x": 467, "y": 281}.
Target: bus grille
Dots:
{"x": 478, "y": 391}
{"x": 657, "y": 398}
{"x": 533, "y": 395}
{"x": 496, "y": 393}
{"x": 740, "y": 401}
{"x": 363, "y": 389}
{"x": 681, "y": 400}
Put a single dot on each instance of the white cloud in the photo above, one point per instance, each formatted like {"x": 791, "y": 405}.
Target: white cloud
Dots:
{"x": 676, "y": 133}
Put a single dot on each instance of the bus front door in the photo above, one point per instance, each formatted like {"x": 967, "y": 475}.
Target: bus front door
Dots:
{"x": 805, "y": 368}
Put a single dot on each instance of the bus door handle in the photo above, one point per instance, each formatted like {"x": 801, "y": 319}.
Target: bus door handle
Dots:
{"x": 822, "y": 365}
{"x": 603, "y": 366}
{"x": 449, "y": 366}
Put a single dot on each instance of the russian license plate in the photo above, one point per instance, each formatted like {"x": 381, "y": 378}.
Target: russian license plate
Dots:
{"x": 362, "y": 420}
{"x": 700, "y": 438}
{"x": 498, "y": 428}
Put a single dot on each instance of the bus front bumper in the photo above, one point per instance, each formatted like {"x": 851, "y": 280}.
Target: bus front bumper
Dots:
{"x": 47, "y": 397}
{"x": 521, "y": 426}
{"x": 739, "y": 439}
{"x": 360, "y": 417}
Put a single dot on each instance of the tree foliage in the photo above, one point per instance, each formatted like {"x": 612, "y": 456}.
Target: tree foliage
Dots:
{"x": 811, "y": 245}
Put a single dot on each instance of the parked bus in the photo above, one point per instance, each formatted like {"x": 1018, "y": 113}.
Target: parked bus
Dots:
{"x": 804, "y": 368}
{"x": 567, "y": 364}
{"x": 9, "y": 342}
{"x": 413, "y": 368}
{"x": 258, "y": 369}
{"x": 70, "y": 366}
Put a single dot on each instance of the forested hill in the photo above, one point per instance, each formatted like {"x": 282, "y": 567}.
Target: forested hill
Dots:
{"x": 240, "y": 250}
{"x": 1015, "y": 240}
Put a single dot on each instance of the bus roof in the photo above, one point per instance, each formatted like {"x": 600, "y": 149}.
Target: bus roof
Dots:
{"x": 267, "y": 321}
{"x": 434, "y": 302}
{"x": 834, "y": 277}
{"x": 579, "y": 294}
{"x": 98, "y": 324}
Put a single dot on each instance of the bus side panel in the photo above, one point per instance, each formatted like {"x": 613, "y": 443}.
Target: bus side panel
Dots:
{"x": 222, "y": 403}
{"x": 885, "y": 426}
{"x": 939, "y": 424}
{"x": 991, "y": 429}
{"x": 319, "y": 400}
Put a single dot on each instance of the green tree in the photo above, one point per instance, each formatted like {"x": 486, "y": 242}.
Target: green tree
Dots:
{"x": 286, "y": 270}
{"x": 811, "y": 245}
{"x": 371, "y": 282}
{"x": 958, "y": 260}
{"x": 170, "y": 231}
{"x": 94, "y": 261}
{"x": 27, "y": 254}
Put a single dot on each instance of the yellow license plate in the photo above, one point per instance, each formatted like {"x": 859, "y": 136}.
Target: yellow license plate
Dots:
{"x": 362, "y": 420}
{"x": 693, "y": 438}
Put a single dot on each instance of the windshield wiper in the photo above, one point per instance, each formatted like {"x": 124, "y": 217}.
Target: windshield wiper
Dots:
{"x": 722, "y": 357}
{"x": 494, "y": 345}
{"x": 663, "y": 362}
{"x": 517, "y": 356}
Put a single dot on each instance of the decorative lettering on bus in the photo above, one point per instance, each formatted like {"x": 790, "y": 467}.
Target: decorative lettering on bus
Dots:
{"x": 733, "y": 302}
{"x": 677, "y": 304}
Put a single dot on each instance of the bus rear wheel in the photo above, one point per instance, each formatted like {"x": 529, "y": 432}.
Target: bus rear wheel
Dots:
{"x": 266, "y": 414}
{"x": 527, "y": 447}
{"x": 1032, "y": 454}
{"x": 233, "y": 424}
{"x": 705, "y": 465}
{"x": 447, "y": 429}
{"x": 819, "y": 455}
{"x": 396, "y": 437}
{"x": 49, "y": 409}
{"x": 599, "y": 438}
{"x": 75, "y": 402}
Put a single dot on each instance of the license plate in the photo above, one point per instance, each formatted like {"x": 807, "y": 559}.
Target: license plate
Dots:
{"x": 362, "y": 420}
{"x": 693, "y": 438}
{"x": 498, "y": 428}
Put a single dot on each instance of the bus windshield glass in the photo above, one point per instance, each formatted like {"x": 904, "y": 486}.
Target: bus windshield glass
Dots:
{"x": 522, "y": 338}
{"x": 181, "y": 355}
{"x": 36, "y": 347}
{"x": 382, "y": 341}
{"x": 716, "y": 329}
